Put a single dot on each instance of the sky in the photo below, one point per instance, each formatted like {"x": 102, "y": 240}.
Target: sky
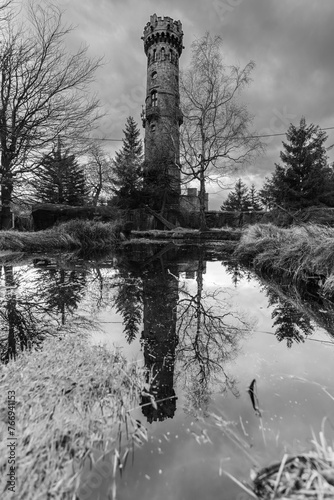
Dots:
{"x": 290, "y": 41}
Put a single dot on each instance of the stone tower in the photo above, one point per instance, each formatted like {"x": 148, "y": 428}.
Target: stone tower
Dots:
{"x": 162, "y": 116}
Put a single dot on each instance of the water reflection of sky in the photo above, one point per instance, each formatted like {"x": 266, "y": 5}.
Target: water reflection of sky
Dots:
{"x": 177, "y": 463}
{"x": 186, "y": 455}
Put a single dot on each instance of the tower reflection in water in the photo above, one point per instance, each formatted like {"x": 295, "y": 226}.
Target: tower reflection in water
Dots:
{"x": 191, "y": 327}
{"x": 159, "y": 339}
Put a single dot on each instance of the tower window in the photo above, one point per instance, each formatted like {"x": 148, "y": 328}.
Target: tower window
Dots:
{"x": 154, "y": 75}
{"x": 163, "y": 54}
{"x": 153, "y": 127}
{"x": 154, "y": 55}
{"x": 154, "y": 99}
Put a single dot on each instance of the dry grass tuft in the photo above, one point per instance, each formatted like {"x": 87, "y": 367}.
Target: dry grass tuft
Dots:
{"x": 72, "y": 399}
{"x": 93, "y": 235}
{"x": 309, "y": 475}
{"x": 43, "y": 240}
{"x": 87, "y": 236}
{"x": 299, "y": 252}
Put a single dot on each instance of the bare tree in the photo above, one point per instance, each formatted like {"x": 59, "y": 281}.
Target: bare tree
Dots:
{"x": 98, "y": 170}
{"x": 215, "y": 137}
{"x": 5, "y": 12}
{"x": 43, "y": 94}
{"x": 209, "y": 332}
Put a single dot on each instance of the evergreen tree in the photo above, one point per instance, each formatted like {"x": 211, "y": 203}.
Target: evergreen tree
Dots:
{"x": 127, "y": 167}
{"x": 265, "y": 195}
{"x": 238, "y": 199}
{"x": 254, "y": 199}
{"x": 60, "y": 179}
{"x": 305, "y": 179}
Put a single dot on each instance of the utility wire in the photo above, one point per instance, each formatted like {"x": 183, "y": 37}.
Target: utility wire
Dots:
{"x": 246, "y": 137}
{"x": 274, "y": 135}
{"x": 326, "y": 342}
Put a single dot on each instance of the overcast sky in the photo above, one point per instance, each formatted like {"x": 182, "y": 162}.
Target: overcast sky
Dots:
{"x": 290, "y": 41}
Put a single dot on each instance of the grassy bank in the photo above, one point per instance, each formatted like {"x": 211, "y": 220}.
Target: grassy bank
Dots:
{"x": 298, "y": 253}
{"x": 69, "y": 398}
{"x": 81, "y": 235}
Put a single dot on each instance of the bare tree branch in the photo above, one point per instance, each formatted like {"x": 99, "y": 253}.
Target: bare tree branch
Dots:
{"x": 43, "y": 94}
{"x": 215, "y": 137}
{"x": 98, "y": 170}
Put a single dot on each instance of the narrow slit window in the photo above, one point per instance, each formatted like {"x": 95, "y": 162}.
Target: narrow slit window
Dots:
{"x": 162, "y": 54}
{"x": 154, "y": 99}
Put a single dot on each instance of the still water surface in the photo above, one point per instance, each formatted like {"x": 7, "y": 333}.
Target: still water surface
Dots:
{"x": 205, "y": 330}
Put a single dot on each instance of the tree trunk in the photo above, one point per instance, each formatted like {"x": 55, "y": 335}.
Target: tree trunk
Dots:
{"x": 96, "y": 197}
{"x": 98, "y": 188}
{"x": 10, "y": 313}
{"x": 6, "y": 197}
{"x": 202, "y": 219}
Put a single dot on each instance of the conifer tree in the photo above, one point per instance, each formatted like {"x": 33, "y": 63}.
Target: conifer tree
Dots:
{"x": 127, "y": 167}
{"x": 305, "y": 178}
{"x": 266, "y": 196}
{"x": 60, "y": 179}
{"x": 238, "y": 199}
{"x": 254, "y": 199}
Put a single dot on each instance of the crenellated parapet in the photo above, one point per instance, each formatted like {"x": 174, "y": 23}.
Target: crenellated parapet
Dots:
{"x": 163, "y": 30}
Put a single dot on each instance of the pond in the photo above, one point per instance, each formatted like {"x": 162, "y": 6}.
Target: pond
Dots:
{"x": 238, "y": 372}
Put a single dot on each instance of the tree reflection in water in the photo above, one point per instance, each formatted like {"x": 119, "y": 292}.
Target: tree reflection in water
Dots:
{"x": 291, "y": 325}
{"x": 60, "y": 290}
{"x": 116, "y": 283}
{"x": 35, "y": 304}
{"x": 128, "y": 302}
{"x": 209, "y": 331}
{"x": 237, "y": 272}
{"x": 24, "y": 320}
{"x": 196, "y": 331}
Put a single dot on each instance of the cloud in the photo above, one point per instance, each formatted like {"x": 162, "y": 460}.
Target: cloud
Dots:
{"x": 291, "y": 42}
